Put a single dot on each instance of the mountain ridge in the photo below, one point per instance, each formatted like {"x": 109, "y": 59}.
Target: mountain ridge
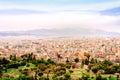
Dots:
{"x": 60, "y": 32}
{"x": 113, "y": 11}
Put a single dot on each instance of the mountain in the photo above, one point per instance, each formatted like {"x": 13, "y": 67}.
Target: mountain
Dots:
{"x": 60, "y": 32}
{"x": 113, "y": 11}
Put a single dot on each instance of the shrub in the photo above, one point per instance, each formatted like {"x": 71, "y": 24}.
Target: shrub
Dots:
{"x": 85, "y": 76}
{"x": 98, "y": 77}
{"x": 67, "y": 76}
{"x": 28, "y": 65}
{"x": 71, "y": 71}
{"x": 42, "y": 67}
{"x": 40, "y": 74}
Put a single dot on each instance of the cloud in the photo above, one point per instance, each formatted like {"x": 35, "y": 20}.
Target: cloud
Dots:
{"x": 59, "y": 20}
{"x": 58, "y": 16}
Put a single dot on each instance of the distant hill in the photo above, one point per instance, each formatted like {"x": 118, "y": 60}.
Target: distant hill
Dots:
{"x": 60, "y": 32}
{"x": 113, "y": 11}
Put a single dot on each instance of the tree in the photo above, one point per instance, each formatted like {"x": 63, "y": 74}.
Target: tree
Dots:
{"x": 99, "y": 77}
{"x": 107, "y": 63}
{"x": 49, "y": 61}
{"x": 92, "y": 60}
{"x": 85, "y": 76}
{"x": 76, "y": 60}
{"x": 60, "y": 71}
{"x": 13, "y": 57}
{"x": 40, "y": 74}
{"x": 68, "y": 65}
{"x": 42, "y": 66}
{"x": 87, "y": 54}
{"x": 67, "y": 76}
{"x": 25, "y": 78}
{"x": 1, "y": 68}
{"x": 4, "y": 61}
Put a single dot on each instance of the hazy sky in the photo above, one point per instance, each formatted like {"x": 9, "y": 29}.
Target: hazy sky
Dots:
{"x": 36, "y": 14}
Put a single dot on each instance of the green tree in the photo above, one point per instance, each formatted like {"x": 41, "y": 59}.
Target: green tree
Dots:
{"x": 76, "y": 60}
{"x": 13, "y": 57}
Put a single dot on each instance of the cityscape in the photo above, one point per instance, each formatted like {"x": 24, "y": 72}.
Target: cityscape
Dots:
{"x": 59, "y": 40}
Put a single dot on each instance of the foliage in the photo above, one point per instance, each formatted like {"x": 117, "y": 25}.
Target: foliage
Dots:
{"x": 29, "y": 68}
{"x": 85, "y": 76}
{"x": 76, "y": 60}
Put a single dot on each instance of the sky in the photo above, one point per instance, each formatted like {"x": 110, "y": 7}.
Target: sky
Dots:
{"x": 17, "y": 15}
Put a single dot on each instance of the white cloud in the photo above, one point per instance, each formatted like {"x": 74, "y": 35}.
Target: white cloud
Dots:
{"x": 59, "y": 20}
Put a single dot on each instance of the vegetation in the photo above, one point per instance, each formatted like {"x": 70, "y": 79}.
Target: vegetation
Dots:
{"x": 27, "y": 67}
